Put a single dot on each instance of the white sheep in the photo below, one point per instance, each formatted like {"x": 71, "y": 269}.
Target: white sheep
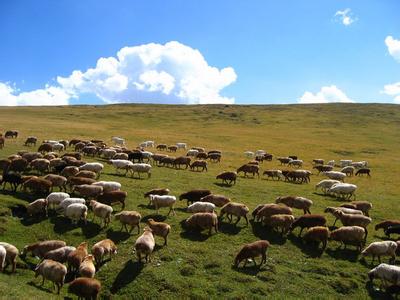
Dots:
{"x": 54, "y": 199}
{"x": 76, "y": 212}
{"x": 331, "y": 163}
{"x": 147, "y": 144}
{"x": 260, "y": 152}
{"x": 102, "y": 211}
{"x": 345, "y": 162}
{"x": 335, "y": 175}
{"x": 389, "y": 274}
{"x": 192, "y": 152}
{"x": 108, "y": 186}
{"x": 349, "y": 170}
{"x": 387, "y": 248}
{"x": 93, "y": 166}
{"x": 108, "y": 153}
{"x": 249, "y": 154}
{"x": 3, "y": 254}
{"x": 345, "y": 190}
{"x": 67, "y": 202}
{"x": 121, "y": 164}
{"x": 147, "y": 155}
{"x": 181, "y": 145}
{"x": 163, "y": 201}
{"x": 326, "y": 184}
{"x": 359, "y": 164}
{"x": 296, "y": 163}
{"x": 140, "y": 168}
{"x": 58, "y": 147}
{"x": 118, "y": 141}
{"x": 201, "y": 207}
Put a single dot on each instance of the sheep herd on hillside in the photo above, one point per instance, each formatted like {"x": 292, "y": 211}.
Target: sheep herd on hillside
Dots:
{"x": 71, "y": 186}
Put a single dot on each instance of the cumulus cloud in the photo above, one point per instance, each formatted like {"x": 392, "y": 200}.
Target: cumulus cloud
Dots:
{"x": 153, "y": 73}
{"x": 393, "y": 46}
{"x": 327, "y": 94}
{"x": 345, "y": 17}
{"x": 393, "y": 90}
{"x": 50, "y": 95}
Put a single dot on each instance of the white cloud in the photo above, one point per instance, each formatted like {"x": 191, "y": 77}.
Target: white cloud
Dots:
{"x": 393, "y": 46}
{"x": 327, "y": 94}
{"x": 50, "y": 95}
{"x": 393, "y": 90}
{"x": 170, "y": 73}
{"x": 345, "y": 17}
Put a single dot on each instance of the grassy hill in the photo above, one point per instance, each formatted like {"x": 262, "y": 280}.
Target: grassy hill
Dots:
{"x": 195, "y": 265}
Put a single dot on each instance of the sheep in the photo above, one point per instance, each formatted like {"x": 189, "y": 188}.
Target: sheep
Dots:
{"x": 144, "y": 245}
{"x": 157, "y": 191}
{"x": 39, "y": 249}
{"x": 273, "y": 174}
{"x": 45, "y": 147}
{"x": 217, "y": 200}
{"x": 3, "y": 255}
{"x": 167, "y": 161}
{"x": 201, "y": 207}
{"x": 108, "y": 186}
{"x": 11, "y": 256}
{"x": 199, "y": 164}
{"x": 296, "y": 163}
{"x": 103, "y": 248}
{"x": 364, "y": 206}
{"x": 73, "y": 181}
{"x": 157, "y": 158}
{"x": 163, "y": 201}
{"x": 359, "y": 164}
{"x": 30, "y": 156}
{"x": 107, "y": 153}
{"x": 280, "y": 221}
{"x": 147, "y": 155}
{"x": 389, "y": 274}
{"x": 181, "y": 160}
{"x": 326, "y": 184}
{"x": 118, "y": 141}
{"x": 213, "y": 157}
{"x": 58, "y": 147}
{"x": 172, "y": 148}
{"x": 192, "y": 152}
{"x": 121, "y": 164}
{"x": 38, "y": 185}
{"x": 252, "y": 250}
{"x": 68, "y": 201}
{"x": 41, "y": 165}
{"x": 349, "y": 235}
{"x": 181, "y": 145}
{"x": 160, "y": 229}
{"x": 319, "y": 234}
{"x": 18, "y": 165}
{"x": 227, "y": 176}
{"x": 299, "y": 176}
{"x": 345, "y": 162}
{"x": 323, "y": 168}
{"x": 363, "y": 171}
{"x": 140, "y": 168}
{"x": 94, "y": 167}
{"x": 194, "y": 195}
{"x": 284, "y": 160}
{"x": 113, "y": 197}
{"x": 203, "y": 221}
{"x": 75, "y": 257}
{"x": 386, "y": 224}
{"x": 267, "y": 210}
{"x": 333, "y": 211}
{"x": 296, "y": 202}
{"x": 87, "y": 288}
{"x": 161, "y": 147}
{"x": 86, "y": 174}
{"x": 235, "y": 209}
{"x": 88, "y": 190}
{"x": 69, "y": 171}
{"x": 392, "y": 229}
{"x": 253, "y": 169}
{"x": 59, "y": 254}
{"x": 249, "y": 154}
{"x": 57, "y": 181}
{"x": 335, "y": 175}
{"x": 131, "y": 218}
{"x": 379, "y": 249}
{"x": 13, "y": 179}
{"x": 308, "y": 221}
{"x": 30, "y": 141}
{"x": 76, "y": 212}
{"x": 102, "y": 211}
{"x": 349, "y": 170}
{"x": 121, "y": 155}
{"x": 38, "y": 206}
{"x": 53, "y": 271}
{"x": 318, "y": 161}
{"x": 87, "y": 267}
{"x": 343, "y": 190}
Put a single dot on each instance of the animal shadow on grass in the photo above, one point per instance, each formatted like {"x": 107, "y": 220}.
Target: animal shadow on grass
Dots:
{"x": 226, "y": 185}
{"x": 250, "y": 268}
{"x": 128, "y": 274}
{"x": 45, "y": 288}
{"x": 155, "y": 217}
{"x": 375, "y": 293}
{"x": 312, "y": 249}
{"x": 63, "y": 225}
{"x": 119, "y": 236}
{"x": 230, "y": 228}
{"x": 343, "y": 254}
{"x": 265, "y": 233}
{"x": 194, "y": 234}
{"x": 28, "y": 221}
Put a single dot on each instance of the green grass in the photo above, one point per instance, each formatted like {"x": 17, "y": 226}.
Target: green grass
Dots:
{"x": 195, "y": 265}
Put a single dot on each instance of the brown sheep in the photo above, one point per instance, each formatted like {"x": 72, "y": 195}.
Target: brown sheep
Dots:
{"x": 199, "y": 164}
{"x": 227, "y": 176}
{"x": 30, "y": 156}
{"x": 167, "y": 161}
{"x": 172, "y": 148}
{"x": 86, "y": 174}
{"x": 53, "y": 271}
{"x": 296, "y": 202}
{"x": 181, "y": 160}
{"x": 46, "y": 147}
{"x": 161, "y": 147}
{"x": 18, "y": 165}
{"x": 319, "y": 234}
{"x": 160, "y": 229}
{"x": 386, "y": 224}
{"x": 38, "y": 185}
{"x": 203, "y": 221}
{"x": 157, "y": 158}
{"x": 158, "y": 191}
{"x": 283, "y": 222}
{"x": 349, "y": 235}
{"x": 75, "y": 258}
{"x": 217, "y": 200}
{"x": 113, "y": 197}
{"x": 39, "y": 249}
{"x": 308, "y": 221}
{"x": 131, "y": 218}
{"x": 253, "y": 169}
{"x": 363, "y": 171}
{"x": 57, "y": 181}
{"x": 41, "y": 165}
{"x": 272, "y": 209}
{"x": 69, "y": 171}
{"x": 72, "y": 181}
{"x": 145, "y": 244}
{"x": 87, "y": 267}
{"x": 194, "y": 195}
{"x": 364, "y": 206}
{"x": 252, "y": 250}
{"x": 102, "y": 248}
{"x": 88, "y": 288}
{"x": 202, "y": 155}
{"x": 11, "y": 255}
{"x": 235, "y": 209}
{"x": 38, "y": 206}
{"x": 88, "y": 190}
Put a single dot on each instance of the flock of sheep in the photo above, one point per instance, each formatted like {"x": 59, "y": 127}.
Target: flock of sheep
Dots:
{"x": 80, "y": 191}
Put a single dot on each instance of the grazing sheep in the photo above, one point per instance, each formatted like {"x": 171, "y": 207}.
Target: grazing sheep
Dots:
{"x": 364, "y": 206}
{"x": 201, "y": 207}
{"x": 181, "y": 160}
{"x": 172, "y": 148}
{"x": 274, "y": 174}
{"x": 118, "y": 141}
{"x": 140, "y": 168}
{"x": 323, "y": 168}
{"x": 335, "y": 175}
{"x": 108, "y": 186}
{"x": 252, "y": 250}
{"x": 345, "y": 162}
{"x": 69, "y": 171}
{"x": 308, "y": 221}
{"x": 3, "y": 255}
{"x": 235, "y": 209}
{"x": 114, "y": 197}
{"x": 318, "y": 161}
{"x": 192, "y": 152}
{"x": 297, "y": 176}
{"x": 94, "y": 167}
{"x": 39, "y": 249}
{"x": 194, "y": 195}
{"x": 267, "y": 210}
{"x": 158, "y": 191}
{"x": 53, "y": 271}
{"x": 37, "y": 185}
{"x": 349, "y": 235}
{"x": 333, "y": 211}
{"x": 227, "y": 176}
{"x": 87, "y": 267}
{"x": 296, "y": 202}
{"x": 68, "y": 201}
{"x": 214, "y": 157}
{"x": 359, "y": 164}
{"x": 326, "y": 184}
{"x": 181, "y": 145}
{"x": 282, "y": 222}
{"x": 73, "y": 181}
{"x": 60, "y": 254}
{"x": 363, "y": 171}
{"x": 57, "y": 181}
{"x": 38, "y": 206}
{"x": 30, "y": 141}
{"x": 161, "y": 147}
{"x": 389, "y": 274}
{"x": 160, "y": 229}
{"x": 13, "y": 179}
{"x": 30, "y": 156}
{"x": 41, "y": 165}
{"x": 343, "y": 190}
{"x": 88, "y": 190}
{"x": 392, "y": 229}
{"x": 386, "y": 224}
{"x": 131, "y": 218}
{"x": 144, "y": 245}
{"x": 253, "y": 169}
{"x": 102, "y": 211}
{"x": 319, "y": 234}
{"x": 349, "y": 170}
{"x": 18, "y": 165}
{"x": 217, "y": 200}
{"x": 11, "y": 256}
{"x": 103, "y": 248}
{"x": 296, "y": 163}
{"x": 76, "y": 212}
{"x": 387, "y": 248}
{"x": 86, "y": 174}
{"x": 284, "y": 160}
{"x": 121, "y": 164}
{"x": 121, "y": 155}
{"x": 249, "y": 154}
{"x": 203, "y": 221}
{"x": 163, "y": 201}
{"x": 167, "y": 161}
{"x": 88, "y": 288}
{"x": 199, "y": 164}
{"x": 75, "y": 258}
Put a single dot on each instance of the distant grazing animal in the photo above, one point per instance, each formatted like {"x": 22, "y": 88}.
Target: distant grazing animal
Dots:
{"x": 274, "y": 174}
{"x": 199, "y": 164}
{"x": 284, "y": 160}
{"x": 203, "y": 221}
{"x": 131, "y": 218}
{"x": 349, "y": 235}
{"x": 87, "y": 288}
{"x": 253, "y": 169}
{"x": 387, "y": 248}
{"x": 31, "y": 141}
{"x": 118, "y": 141}
{"x": 181, "y": 145}
{"x": 235, "y": 209}
{"x": 319, "y": 234}
{"x": 252, "y": 250}
{"x": 349, "y": 170}
{"x": 13, "y": 134}
{"x": 318, "y": 161}
{"x": 296, "y": 202}
{"x": 227, "y": 177}
{"x": 103, "y": 248}
{"x": 217, "y": 200}
{"x": 172, "y": 148}
{"x": 323, "y": 168}
{"x": 363, "y": 171}
{"x": 386, "y": 224}
{"x": 194, "y": 195}
{"x": 308, "y": 221}
{"x": 161, "y": 147}
{"x": 181, "y": 160}
{"x": 214, "y": 157}
{"x": 53, "y": 271}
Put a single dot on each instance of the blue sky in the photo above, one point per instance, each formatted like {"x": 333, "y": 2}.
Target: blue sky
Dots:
{"x": 201, "y": 51}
